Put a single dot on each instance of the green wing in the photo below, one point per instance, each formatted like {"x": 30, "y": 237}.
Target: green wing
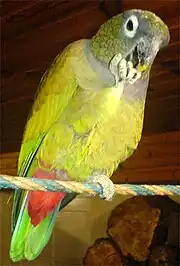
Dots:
{"x": 55, "y": 90}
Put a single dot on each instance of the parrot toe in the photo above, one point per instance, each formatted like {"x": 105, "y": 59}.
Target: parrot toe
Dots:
{"x": 108, "y": 188}
{"x": 127, "y": 72}
{"x": 133, "y": 75}
{"x": 123, "y": 70}
{"x": 113, "y": 66}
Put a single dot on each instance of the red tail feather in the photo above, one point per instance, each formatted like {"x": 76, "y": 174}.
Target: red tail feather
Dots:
{"x": 40, "y": 204}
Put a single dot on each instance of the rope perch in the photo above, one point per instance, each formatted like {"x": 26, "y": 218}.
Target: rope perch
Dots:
{"x": 15, "y": 182}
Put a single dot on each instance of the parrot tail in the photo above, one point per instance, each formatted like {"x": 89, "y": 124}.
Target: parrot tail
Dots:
{"x": 35, "y": 224}
{"x": 34, "y": 215}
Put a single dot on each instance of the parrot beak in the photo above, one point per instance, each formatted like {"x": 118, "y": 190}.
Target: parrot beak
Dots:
{"x": 141, "y": 55}
{"x": 165, "y": 40}
{"x": 145, "y": 51}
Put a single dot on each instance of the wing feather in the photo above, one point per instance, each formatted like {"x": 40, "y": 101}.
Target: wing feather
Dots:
{"x": 54, "y": 92}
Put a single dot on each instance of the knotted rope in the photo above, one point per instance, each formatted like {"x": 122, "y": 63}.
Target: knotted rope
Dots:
{"x": 15, "y": 182}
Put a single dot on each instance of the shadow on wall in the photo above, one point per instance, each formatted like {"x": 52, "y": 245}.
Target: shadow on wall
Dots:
{"x": 77, "y": 227}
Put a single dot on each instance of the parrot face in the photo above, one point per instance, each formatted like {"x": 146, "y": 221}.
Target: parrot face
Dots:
{"x": 147, "y": 38}
{"x": 136, "y": 35}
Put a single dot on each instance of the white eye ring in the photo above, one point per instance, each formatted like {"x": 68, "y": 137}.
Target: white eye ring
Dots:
{"x": 131, "y": 26}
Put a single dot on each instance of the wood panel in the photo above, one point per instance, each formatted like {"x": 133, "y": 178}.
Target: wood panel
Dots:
{"x": 155, "y": 161}
{"x": 34, "y": 32}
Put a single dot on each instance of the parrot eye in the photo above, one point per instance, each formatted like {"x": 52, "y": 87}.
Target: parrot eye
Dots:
{"x": 131, "y": 26}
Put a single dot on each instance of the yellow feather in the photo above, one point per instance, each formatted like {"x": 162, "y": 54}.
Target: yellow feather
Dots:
{"x": 56, "y": 88}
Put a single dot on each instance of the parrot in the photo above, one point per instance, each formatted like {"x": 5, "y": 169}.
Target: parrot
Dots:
{"x": 86, "y": 119}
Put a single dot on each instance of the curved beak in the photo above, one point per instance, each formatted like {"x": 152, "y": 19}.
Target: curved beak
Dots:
{"x": 165, "y": 41}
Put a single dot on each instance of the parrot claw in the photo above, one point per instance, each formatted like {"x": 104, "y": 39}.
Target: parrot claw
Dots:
{"x": 123, "y": 70}
{"x": 106, "y": 185}
{"x": 132, "y": 73}
{"x": 113, "y": 66}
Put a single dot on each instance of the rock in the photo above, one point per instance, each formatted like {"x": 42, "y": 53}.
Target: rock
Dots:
{"x": 163, "y": 256}
{"x": 102, "y": 253}
{"x": 132, "y": 225}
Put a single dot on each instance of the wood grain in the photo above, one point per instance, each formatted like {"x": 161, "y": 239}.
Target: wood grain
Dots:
{"x": 155, "y": 161}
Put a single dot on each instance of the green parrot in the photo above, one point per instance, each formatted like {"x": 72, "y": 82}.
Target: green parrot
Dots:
{"x": 86, "y": 119}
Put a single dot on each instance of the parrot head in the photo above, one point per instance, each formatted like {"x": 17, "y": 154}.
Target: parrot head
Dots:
{"x": 135, "y": 34}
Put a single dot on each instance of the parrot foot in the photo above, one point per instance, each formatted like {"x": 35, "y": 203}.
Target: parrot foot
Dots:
{"x": 106, "y": 184}
{"x": 123, "y": 70}
{"x": 113, "y": 67}
{"x": 131, "y": 74}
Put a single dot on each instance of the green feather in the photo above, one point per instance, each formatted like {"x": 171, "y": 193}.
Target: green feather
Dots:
{"x": 20, "y": 233}
{"x": 40, "y": 235}
{"x": 28, "y": 241}
{"x": 56, "y": 88}
{"x": 23, "y": 171}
